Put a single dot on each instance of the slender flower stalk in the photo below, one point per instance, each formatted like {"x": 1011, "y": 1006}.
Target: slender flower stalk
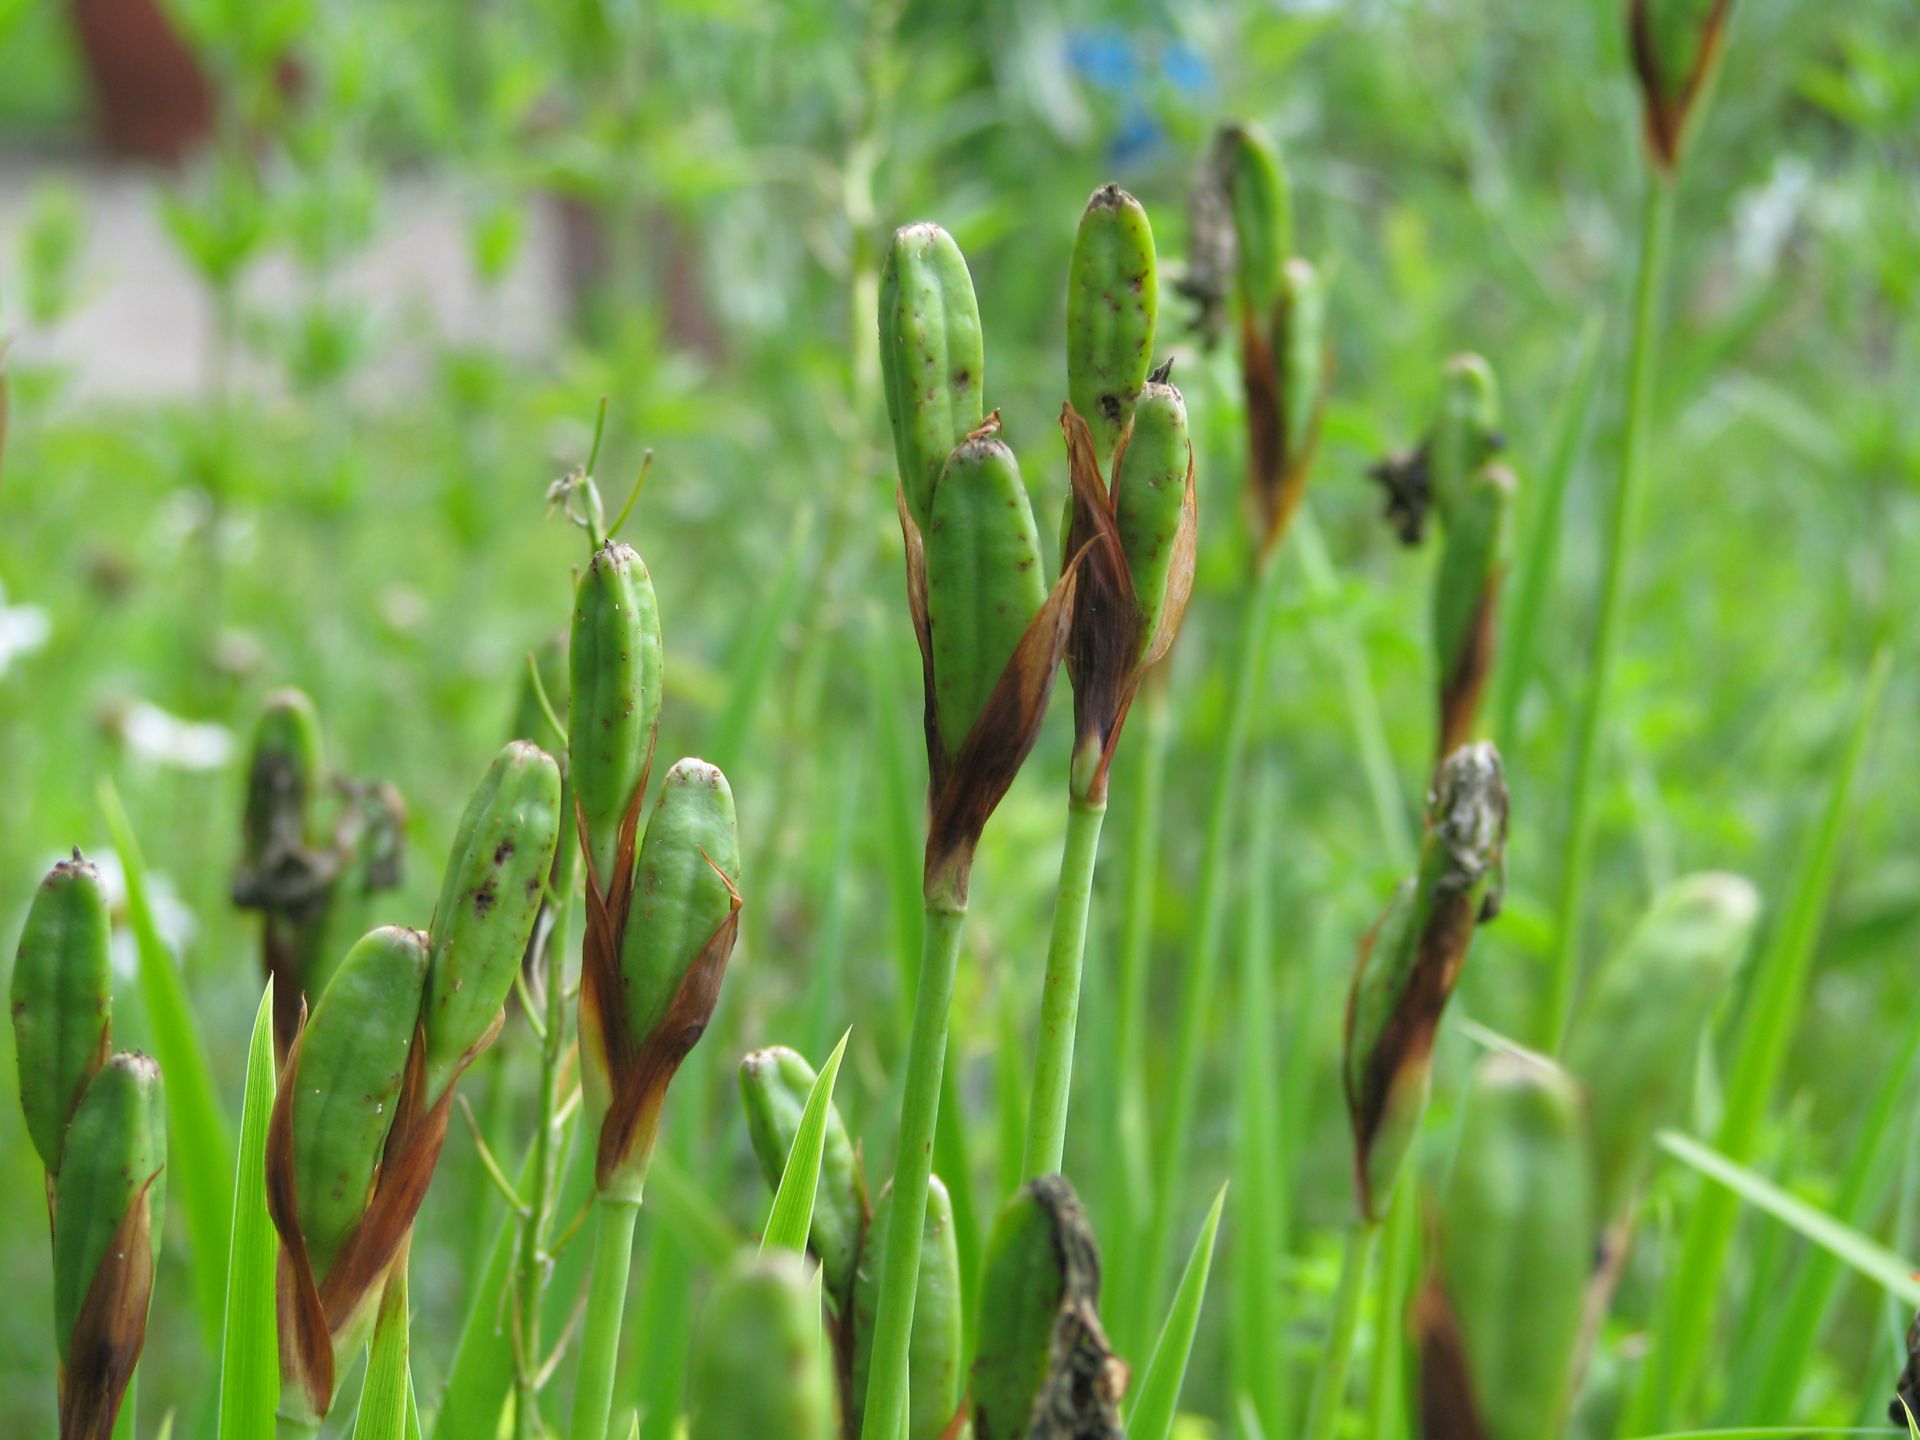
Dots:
{"x": 1136, "y": 542}
{"x": 991, "y": 637}
{"x": 1675, "y": 48}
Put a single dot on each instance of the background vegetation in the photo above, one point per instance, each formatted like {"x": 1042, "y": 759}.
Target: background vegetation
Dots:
{"x": 1470, "y": 177}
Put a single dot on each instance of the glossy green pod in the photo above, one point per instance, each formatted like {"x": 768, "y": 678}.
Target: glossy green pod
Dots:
{"x": 932, "y": 356}
{"x": 116, "y": 1154}
{"x": 1517, "y": 1234}
{"x": 985, "y": 582}
{"x": 353, "y": 1060}
{"x": 1641, "y": 1023}
{"x": 62, "y": 1000}
{"x": 1300, "y": 344}
{"x": 1150, "y": 498}
{"x": 761, "y": 1365}
{"x": 774, "y": 1086}
{"x": 1113, "y": 301}
{"x": 680, "y": 897}
{"x": 492, "y": 888}
{"x": 284, "y": 776}
{"x": 1466, "y": 431}
{"x": 933, "y": 1351}
{"x": 1465, "y": 590}
{"x": 615, "y": 671}
{"x": 1259, "y": 197}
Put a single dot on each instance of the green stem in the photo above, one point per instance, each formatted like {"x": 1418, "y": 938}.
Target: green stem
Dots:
{"x": 1386, "y": 1418}
{"x": 606, "y": 1300}
{"x": 1330, "y": 1385}
{"x": 912, "y": 1167}
{"x": 1060, "y": 999}
{"x": 531, "y": 1264}
{"x": 1622, "y": 519}
{"x": 1249, "y": 667}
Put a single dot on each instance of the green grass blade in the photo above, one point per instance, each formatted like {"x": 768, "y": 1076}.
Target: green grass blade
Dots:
{"x": 1539, "y": 550}
{"x": 1774, "y": 999}
{"x": 388, "y": 1386}
{"x": 1153, "y": 1410}
{"x": 1860, "y": 1253}
{"x": 1258, "y": 1336}
{"x": 754, "y": 658}
{"x": 200, "y": 1146}
{"x": 791, "y": 1219}
{"x": 249, "y": 1352}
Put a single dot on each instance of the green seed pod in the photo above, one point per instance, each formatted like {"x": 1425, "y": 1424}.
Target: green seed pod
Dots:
{"x": 685, "y": 894}
{"x": 1676, "y": 45}
{"x": 1300, "y": 331}
{"x": 1516, "y": 1249}
{"x": 774, "y": 1084}
{"x": 1262, "y": 214}
{"x": 761, "y": 1365}
{"x": 494, "y": 882}
{"x": 529, "y": 716}
{"x": 1465, "y": 593}
{"x": 932, "y": 357}
{"x": 1645, "y": 1014}
{"x": 1466, "y": 432}
{"x": 1043, "y": 1366}
{"x": 984, "y": 579}
{"x": 933, "y": 1352}
{"x": 284, "y": 778}
{"x": 353, "y": 1060}
{"x": 1410, "y": 962}
{"x": 615, "y": 709}
{"x": 1150, "y": 503}
{"x": 62, "y": 1001}
{"x": 116, "y": 1151}
{"x": 1113, "y": 299}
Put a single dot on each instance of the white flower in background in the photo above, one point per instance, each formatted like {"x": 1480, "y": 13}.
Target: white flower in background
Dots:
{"x": 154, "y": 735}
{"x": 23, "y": 630}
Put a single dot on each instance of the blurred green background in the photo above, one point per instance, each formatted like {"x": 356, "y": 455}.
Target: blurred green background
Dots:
{"x": 297, "y": 354}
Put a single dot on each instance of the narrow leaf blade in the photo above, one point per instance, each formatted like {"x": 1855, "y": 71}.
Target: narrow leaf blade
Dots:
{"x": 388, "y": 1388}
{"x": 1153, "y": 1410}
{"x": 791, "y": 1218}
{"x": 249, "y": 1355}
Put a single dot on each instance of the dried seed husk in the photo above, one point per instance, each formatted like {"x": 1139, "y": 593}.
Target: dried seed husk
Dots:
{"x": 1466, "y": 593}
{"x": 1410, "y": 961}
{"x": 932, "y": 357}
{"x": 1676, "y": 47}
{"x": 1043, "y": 1368}
{"x": 1644, "y": 1016}
{"x": 371, "y": 854}
{"x": 1113, "y": 302}
{"x": 353, "y": 1060}
{"x": 649, "y": 986}
{"x": 615, "y": 668}
{"x": 984, "y": 578}
{"x": 774, "y": 1086}
{"x": 491, "y": 892}
{"x": 933, "y": 1350}
{"x": 760, "y": 1366}
{"x": 108, "y": 1206}
{"x": 62, "y": 1000}
{"x": 1502, "y": 1320}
